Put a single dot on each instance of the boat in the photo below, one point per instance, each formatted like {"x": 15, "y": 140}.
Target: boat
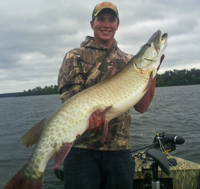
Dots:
{"x": 156, "y": 166}
{"x": 183, "y": 174}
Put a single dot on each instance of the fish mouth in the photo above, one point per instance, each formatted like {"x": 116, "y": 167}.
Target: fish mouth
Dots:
{"x": 159, "y": 41}
{"x": 148, "y": 58}
{"x": 164, "y": 36}
{"x": 163, "y": 43}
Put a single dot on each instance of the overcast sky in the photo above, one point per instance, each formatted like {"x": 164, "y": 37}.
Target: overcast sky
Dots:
{"x": 36, "y": 34}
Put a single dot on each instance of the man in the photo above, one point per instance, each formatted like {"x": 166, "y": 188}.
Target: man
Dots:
{"x": 91, "y": 164}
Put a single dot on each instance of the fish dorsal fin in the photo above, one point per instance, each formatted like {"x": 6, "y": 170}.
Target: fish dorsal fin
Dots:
{"x": 31, "y": 137}
{"x": 61, "y": 154}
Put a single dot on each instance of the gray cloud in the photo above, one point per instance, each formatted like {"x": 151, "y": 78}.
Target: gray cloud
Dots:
{"x": 35, "y": 35}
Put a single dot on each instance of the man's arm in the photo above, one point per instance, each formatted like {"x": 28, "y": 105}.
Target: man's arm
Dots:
{"x": 143, "y": 105}
{"x": 70, "y": 77}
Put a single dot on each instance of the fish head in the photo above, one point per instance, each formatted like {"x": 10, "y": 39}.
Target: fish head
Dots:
{"x": 148, "y": 58}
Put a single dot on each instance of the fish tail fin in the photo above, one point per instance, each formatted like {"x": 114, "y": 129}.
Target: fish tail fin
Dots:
{"x": 21, "y": 181}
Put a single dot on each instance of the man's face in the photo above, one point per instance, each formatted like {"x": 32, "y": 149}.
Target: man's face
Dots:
{"x": 105, "y": 25}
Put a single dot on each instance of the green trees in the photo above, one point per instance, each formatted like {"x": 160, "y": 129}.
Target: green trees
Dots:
{"x": 178, "y": 77}
{"x": 53, "y": 89}
{"x": 169, "y": 78}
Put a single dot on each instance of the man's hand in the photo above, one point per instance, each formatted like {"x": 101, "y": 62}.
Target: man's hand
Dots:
{"x": 95, "y": 122}
{"x": 161, "y": 59}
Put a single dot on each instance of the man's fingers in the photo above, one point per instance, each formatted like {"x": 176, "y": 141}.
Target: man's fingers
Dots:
{"x": 95, "y": 118}
{"x": 91, "y": 123}
{"x": 94, "y": 121}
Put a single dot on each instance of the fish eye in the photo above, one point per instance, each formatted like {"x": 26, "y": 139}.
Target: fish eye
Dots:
{"x": 148, "y": 45}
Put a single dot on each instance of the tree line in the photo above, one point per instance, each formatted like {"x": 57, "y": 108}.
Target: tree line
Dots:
{"x": 53, "y": 89}
{"x": 178, "y": 77}
{"x": 168, "y": 78}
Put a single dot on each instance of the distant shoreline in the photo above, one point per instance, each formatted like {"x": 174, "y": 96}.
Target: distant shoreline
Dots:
{"x": 167, "y": 79}
{"x": 20, "y": 94}
{"x": 9, "y": 95}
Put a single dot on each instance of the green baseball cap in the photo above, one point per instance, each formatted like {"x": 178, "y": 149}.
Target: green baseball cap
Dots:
{"x": 104, "y": 5}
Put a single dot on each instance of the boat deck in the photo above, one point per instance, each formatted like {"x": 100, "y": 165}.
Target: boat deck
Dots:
{"x": 185, "y": 175}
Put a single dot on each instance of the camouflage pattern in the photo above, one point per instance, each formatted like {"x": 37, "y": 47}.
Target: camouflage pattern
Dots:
{"x": 185, "y": 175}
{"x": 82, "y": 68}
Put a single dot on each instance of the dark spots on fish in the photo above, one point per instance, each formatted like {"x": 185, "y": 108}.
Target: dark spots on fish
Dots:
{"x": 77, "y": 136}
{"x": 55, "y": 145}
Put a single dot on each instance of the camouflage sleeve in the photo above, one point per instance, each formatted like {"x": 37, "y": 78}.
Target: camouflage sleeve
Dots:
{"x": 70, "y": 77}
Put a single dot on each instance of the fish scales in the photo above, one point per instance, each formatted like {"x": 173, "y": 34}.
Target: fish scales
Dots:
{"x": 116, "y": 95}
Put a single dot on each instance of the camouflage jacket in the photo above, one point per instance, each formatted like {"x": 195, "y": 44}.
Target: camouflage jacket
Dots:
{"x": 83, "y": 67}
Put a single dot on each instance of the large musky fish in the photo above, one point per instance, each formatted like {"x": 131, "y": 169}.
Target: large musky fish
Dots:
{"x": 113, "y": 96}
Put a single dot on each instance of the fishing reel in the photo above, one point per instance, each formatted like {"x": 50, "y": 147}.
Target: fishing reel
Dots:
{"x": 167, "y": 142}
{"x": 162, "y": 144}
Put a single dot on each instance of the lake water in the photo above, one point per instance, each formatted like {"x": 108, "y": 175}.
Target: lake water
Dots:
{"x": 174, "y": 110}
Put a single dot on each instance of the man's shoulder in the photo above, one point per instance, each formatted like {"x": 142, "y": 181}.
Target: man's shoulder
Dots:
{"x": 75, "y": 52}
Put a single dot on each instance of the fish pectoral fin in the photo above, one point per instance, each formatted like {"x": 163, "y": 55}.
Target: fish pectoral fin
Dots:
{"x": 61, "y": 154}
{"x": 104, "y": 112}
{"x": 31, "y": 137}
